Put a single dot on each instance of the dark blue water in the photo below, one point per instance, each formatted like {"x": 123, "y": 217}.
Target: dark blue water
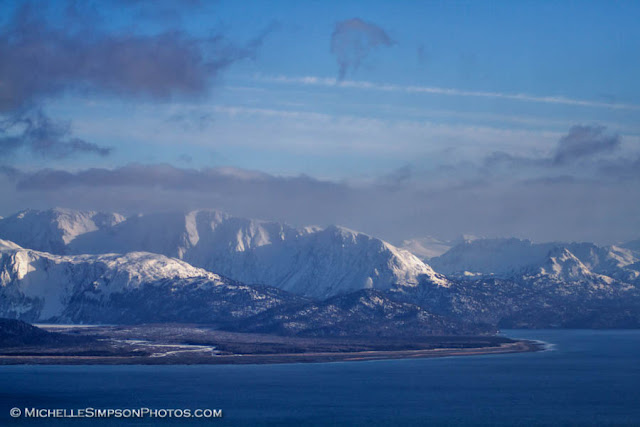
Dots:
{"x": 590, "y": 378}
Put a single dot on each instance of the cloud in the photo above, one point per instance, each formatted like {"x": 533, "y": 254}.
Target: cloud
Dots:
{"x": 227, "y": 181}
{"x": 41, "y": 135}
{"x": 397, "y": 178}
{"x": 500, "y": 158}
{"x": 584, "y": 145}
{"x": 148, "y": 188}
{"x": 623, "y": 169}
{"x": 192, "y": 120}
{"x": 41, "y": 61}
{"x": 584, "y": 142}
{"x": 432, "y": 90}
{"x": 185, "y": 158}
{"x": 164, "y": 11}
{"x": 352, "y": 41}
{"x": 541, "y": 209}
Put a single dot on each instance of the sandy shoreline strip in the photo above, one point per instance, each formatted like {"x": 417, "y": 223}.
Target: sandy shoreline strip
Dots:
{"x": 519, "y": 346}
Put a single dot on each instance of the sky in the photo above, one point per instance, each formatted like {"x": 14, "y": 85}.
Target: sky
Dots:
{"x": 398, "y": 119}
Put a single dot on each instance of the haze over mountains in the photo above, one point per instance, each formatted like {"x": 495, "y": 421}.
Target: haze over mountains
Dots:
{"x": 515, "y": 258}
{"x": 210, "y": 267}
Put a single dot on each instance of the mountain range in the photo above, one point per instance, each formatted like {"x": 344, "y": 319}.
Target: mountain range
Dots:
{"x": 311, "y": 261}
{"x": 521, "y": 259}
{"x": 207, "y": 266}
{"x": 114, "y": 288}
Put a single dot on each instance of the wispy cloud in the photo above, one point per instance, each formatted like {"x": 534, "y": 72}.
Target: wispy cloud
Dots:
{"x": 352, "y": 40}
{"x": 41, "y": 135}
{"x": 585, "y": 152}
{"x": 365, "y": 85}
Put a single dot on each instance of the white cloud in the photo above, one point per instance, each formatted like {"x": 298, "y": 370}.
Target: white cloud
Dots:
{"x": 364, "y": 85}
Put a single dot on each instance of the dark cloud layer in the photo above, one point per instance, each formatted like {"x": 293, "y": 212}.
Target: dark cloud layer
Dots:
{"x": 584, "y": 142}
{"x": 43, "y": 136}
{"x": 352, "y": 41}
{"x": 592, "y": 197}
{"x": 584, "y": 145}
{"x": 552, "y": 208}
{"x": 221, "y": 181}
{"x": 41, "y": 61}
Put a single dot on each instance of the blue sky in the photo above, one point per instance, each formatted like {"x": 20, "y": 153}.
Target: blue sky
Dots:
{"x": 429, "y": 96}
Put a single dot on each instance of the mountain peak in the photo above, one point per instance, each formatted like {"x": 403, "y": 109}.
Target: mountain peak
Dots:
{"x": 53, "y": 229}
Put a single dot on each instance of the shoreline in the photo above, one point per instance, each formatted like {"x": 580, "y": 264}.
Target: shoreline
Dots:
{"x": 517, "y": 346}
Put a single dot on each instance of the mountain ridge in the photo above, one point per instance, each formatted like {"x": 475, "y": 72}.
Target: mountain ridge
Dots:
{"x": 311, "y": 261}
{"x": 38, "y": 286}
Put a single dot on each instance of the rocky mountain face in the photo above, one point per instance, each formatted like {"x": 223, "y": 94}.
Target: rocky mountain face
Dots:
{"x": 366, "y": 312}
{"x": 533, "y": 303}
{"x": 515, "y": 283}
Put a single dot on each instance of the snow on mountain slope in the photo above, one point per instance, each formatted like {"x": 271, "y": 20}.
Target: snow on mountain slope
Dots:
{"x": 54, "y": 279}
{"x": 491, "y": 256}
{"x": 52, "y": 230}
{"x": 563, "y": 266}
{"x": 137, "y": 286}
{"x": 429, "y": 247}
{"x": 426, "y": 247}
{"x": 310, "y": 261}
{"x": 333, "y": 261}
{"x": 512, "y": 258}
{"x": 8, "y": 245}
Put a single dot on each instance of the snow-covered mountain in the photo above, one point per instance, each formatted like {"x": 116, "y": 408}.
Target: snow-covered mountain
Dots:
{"x": 515, "y": 258}
{"x": 52, "y": 230}
{"x": 138, "y": 286}
{"x": 145, "y": 287}
{"x": 562, "y": 265}
{"x": 311, "y": 261}
{"x": 500, "y": 257}
{"x": 172, "y": 267}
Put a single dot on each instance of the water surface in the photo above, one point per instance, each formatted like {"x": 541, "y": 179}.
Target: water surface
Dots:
{"x": 590, "y": 378}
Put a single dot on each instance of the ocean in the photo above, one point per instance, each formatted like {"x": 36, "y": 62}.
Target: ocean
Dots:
{"x": 585, "y": 378}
